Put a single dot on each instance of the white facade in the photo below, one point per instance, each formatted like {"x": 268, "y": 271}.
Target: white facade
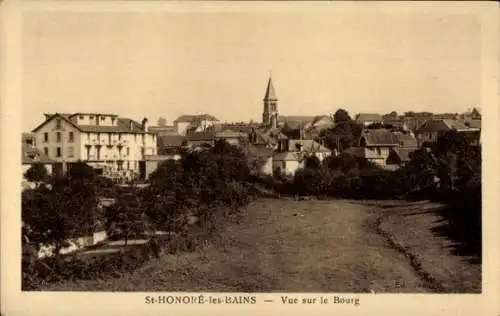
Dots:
{"x": 287, "y": 167}
{"x": 267, "y": 167}
{"x": 103, "y": 141}
{"x": 182, "y": 126}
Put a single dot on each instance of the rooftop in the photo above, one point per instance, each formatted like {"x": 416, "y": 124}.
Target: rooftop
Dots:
{"x": 368, "y": 117}
{"x": 124, "y": 125}
{"x": 379, "y": 137}
{"x": 270, "y": 94}
{"x": 189, "y": 118}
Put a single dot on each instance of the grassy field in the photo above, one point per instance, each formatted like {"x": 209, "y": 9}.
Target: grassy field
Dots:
{"x": 306, "y": 246}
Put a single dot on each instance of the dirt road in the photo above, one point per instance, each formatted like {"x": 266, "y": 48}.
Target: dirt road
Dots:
{"x": 283, "y": 246}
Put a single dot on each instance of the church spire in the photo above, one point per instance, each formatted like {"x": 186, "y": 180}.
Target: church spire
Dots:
{"x": 270, "y": 93}
{"x": 270, "y": 113}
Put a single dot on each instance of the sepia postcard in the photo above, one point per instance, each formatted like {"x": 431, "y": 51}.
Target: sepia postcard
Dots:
{"x": 249, "y": 157}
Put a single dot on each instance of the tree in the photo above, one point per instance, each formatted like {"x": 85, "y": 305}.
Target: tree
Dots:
{"x": 36, "y": 173}
{"x": 162, "y": 121}
{"x": 341, "y": 115}
{"x": 126, "y": 217}
{"x": 343, "y": 135}
{"x": 312, "y": 162}
{"x": 59, "y": 214}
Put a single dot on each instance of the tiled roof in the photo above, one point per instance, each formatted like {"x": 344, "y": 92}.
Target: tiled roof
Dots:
{"x": 379, "y": 137}
{"x": 164, "y": 141}
{"x": 237, "y": 127}
{"x": 296, "y": 118}
{"x": 123, "y": 125}
{"x": 327, "y": 120}
{"x": 406, "y": 140}
{"x": 307, "y": 144}
{"x": 436, "y": 125}
{"x": 94, "y": 113}
{"x": 195, "y": 118}
{"x": 368, "y": 117}
{"x": 473, "y": 123}
{"x": 31, "y": 155}
{"x": 197, "y": 136}
{"x": 404, "y": 153}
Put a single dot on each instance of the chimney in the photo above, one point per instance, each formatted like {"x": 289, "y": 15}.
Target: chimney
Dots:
{"x": 145, "y": 124}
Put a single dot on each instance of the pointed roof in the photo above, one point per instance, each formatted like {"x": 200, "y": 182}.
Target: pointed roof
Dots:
{"x": 270, "y": 93}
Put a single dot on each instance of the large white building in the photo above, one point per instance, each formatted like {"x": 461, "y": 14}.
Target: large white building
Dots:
{"x": 114, "y": 145}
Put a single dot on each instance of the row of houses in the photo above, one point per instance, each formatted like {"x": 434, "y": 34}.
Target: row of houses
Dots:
{"x": 122, "y": 148}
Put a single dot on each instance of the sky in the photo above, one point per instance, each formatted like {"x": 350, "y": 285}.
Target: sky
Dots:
{"x": 166, "y": 64}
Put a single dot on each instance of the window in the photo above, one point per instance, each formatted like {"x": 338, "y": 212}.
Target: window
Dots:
{"x": 81, "y": 117}
{"x": 128, "y": 165}
{"x": 46, "y": 151}
{"x": 102, "y": 118}
{"x": 379, "y": 151}
{"x": 58, "y": 137}
{"x": 58, "y": 123}
{"x": 70, "y": 152}
{"x": 112, "y": 121}
{"x": 58, "y": 152}
{"x": 71, "y": 137}
{"x": 128, "y": 151}
{"x": 45, "y": 137}
{"x": 91, "y": 117}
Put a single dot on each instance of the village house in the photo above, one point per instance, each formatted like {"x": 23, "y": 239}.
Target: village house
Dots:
{"x": 170, "y": 145}
{"x": 291, "y": 155}
{"x": 375, "y": 146}
{"x": 432, "y": 129}
{"x": 367, "y": 119}
{"x": 262, "y": 155}
{"x": 194, "y": 123}
{"x": 116, "y": 147}
{"x": 320, "y": 123}
{"x": 399, "y": 156}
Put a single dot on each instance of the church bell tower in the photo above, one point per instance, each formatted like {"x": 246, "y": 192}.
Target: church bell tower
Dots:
{"x": 270, "y": 113}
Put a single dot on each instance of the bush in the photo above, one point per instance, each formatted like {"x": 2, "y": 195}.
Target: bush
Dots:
{"x": 51, "y": 270}
{"x": 36, "y": 173}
